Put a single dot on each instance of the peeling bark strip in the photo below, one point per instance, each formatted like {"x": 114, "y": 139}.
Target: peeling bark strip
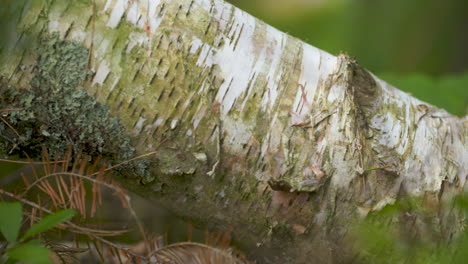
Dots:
{"x": 266, "y": 132}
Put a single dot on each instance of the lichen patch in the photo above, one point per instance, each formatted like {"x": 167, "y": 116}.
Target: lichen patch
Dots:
{"x": 56, "y": 113}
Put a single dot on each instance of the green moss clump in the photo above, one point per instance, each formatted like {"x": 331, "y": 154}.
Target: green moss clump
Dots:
{"x": 57, "y": 114}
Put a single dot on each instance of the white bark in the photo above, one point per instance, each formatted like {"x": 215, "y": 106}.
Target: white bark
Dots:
{"x": 259, "y": 117}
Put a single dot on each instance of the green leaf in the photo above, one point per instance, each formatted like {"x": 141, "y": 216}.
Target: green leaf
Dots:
{"x": 10, "y": 220}
{"x": 31, "y": 252}
{"x": 49, "y": 222}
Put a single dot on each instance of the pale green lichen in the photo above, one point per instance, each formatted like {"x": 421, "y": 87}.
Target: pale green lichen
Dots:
{"x": 55, "y": 113}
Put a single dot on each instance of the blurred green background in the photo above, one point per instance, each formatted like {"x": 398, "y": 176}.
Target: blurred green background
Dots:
{"x": 417, "y": 45}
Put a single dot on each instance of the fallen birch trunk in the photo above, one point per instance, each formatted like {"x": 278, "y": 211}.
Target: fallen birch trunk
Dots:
{"x": 252, "y": 128}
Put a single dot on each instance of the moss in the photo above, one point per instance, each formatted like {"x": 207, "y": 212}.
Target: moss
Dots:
{"x": 57, "y": 114}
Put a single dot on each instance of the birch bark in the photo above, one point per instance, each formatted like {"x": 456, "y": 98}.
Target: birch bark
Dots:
{"x": 254, "y": 129}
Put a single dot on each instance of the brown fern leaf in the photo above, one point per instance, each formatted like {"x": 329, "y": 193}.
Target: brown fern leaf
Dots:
{"x": 195, "y": 253}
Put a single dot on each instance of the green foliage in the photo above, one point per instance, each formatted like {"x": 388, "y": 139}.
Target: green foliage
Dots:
{"x": 30, "y": 252}
{"x": 23, "y": 250}
{"x": 49, "y": 222}
{"x": 10, "y": 220}
{"x": 394, "y": 235}
{"x": 56, "y": 113}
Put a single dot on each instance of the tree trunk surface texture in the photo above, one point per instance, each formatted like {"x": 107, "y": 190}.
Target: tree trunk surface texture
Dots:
{"x": 254, "y": 129}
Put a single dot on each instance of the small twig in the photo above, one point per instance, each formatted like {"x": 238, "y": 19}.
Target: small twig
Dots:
{"x": 85, "y": 230}
{"x": 137, "y": 157}
{"x": 10, "y": 109}
{"x": 67, "y": 224}
{"x": 10, "y": 126}
{"x": 117, "y": 190}
{"x": 78, "y": 229}
{"x": 85, "y": 177}
{"x": 379, "y": 168}
{"x": 32, "y": 162}
{"x": 127, "y": 161}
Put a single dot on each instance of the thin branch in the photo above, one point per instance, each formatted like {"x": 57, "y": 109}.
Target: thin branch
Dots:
{"x": 138, "y": 157}
{"x": 10, "y": 109}
{"x": 78, "y": 229}
{"x": 10, "y": 126}
{"x": 32, "y": 162}
{"x": 85, "y": 177}
{"x": 127, "y": 161}
{"x": 117, "y": 190}
{"x": 67, "y": 224}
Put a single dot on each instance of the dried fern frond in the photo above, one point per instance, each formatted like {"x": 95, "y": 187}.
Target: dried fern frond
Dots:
{"x": 195, "y": 253}
{"x": 76, "y": 183}
{"x": 216, "y": 250}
